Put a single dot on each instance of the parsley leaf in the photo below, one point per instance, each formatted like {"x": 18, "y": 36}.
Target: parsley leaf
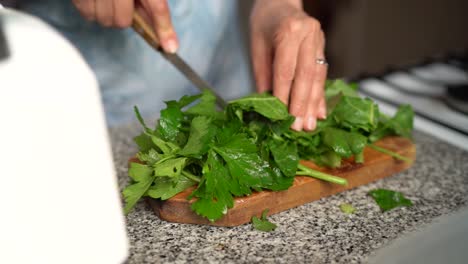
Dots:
{"x": 165, "y": 187}
{"x": 170, "y": 121}
{"x": 142, "y": 176}
{"x": 214, "y": 191}
{"x": 388, "y": 199}
{"x": 262, "y": 224}
{"x": 201, "y": 134}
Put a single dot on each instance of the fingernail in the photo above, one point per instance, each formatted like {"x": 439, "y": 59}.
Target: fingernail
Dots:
{"x": 171, "y": 46}
{"x": 322, "y": 112}
{"x": 311, "y": 123}
{"x": 297, "y": 125}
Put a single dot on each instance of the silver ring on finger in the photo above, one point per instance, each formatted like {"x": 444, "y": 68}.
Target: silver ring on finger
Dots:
{"x": 321, "y": 61}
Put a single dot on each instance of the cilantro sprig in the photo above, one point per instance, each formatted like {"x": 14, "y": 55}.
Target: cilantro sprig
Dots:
{"x": 249, "y": 146}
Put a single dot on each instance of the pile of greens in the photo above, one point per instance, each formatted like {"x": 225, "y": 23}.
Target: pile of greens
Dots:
{"x": 249, "y": 146}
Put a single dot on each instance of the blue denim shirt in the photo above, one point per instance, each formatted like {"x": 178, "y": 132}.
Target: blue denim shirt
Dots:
{"x": 131, "y": 73}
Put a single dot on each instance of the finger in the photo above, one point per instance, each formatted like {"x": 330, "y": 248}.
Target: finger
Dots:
{"x": 316, "y": 108}
{"x": 162, "y": 24}
{"x": 123, "y": 13}
{"x": 262, "y": 62}
{"x": 286, "y": 45}
{"x": 322, "y": 110}
{"x": 303, "y": 84}
{"x": 87, "y": 8}
{"x": 105, "y": 12}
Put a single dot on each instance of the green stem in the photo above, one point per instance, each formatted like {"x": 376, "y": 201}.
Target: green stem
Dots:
{"x": 306, "y": 171}
{"x": 390, "y": 153}
{"x": 190, "y": 176}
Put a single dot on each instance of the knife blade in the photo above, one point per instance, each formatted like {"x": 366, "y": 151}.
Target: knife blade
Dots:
{"x": 147, "y": 33}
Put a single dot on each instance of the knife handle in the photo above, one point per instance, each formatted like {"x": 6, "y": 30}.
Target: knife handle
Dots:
{"x": 145, "y": 30}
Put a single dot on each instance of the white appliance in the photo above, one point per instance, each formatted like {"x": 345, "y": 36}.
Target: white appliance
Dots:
{"x": 59, "y": 196}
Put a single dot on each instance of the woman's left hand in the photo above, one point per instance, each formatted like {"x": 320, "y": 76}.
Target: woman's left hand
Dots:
{"x": 287, "y": 50}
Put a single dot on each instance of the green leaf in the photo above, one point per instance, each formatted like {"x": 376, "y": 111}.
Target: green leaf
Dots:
{"x": 140, "y": 119}
{"x": 170, "y": 167}
{"x": 143, "y": 177}
{"x": 264, "y": 104}
{"x": 263, "y": 224}
{"x": 206, "y": 106}
{"x": 165, "y": 146}
{"x": 285, "y": 155}
{"x": 335, "y": 87}
{"x": 150, "y": 157}
{"x": 343, "y": 143}
{"x": 144, "y": 142}
{"x": 170, "y": 121}
{"x": 214, "y": 192}
{"x": 388, "y": 199}
{"x": 280, "y": 182}
{"x": 347, "y": 208}
{"x": 245, "y": 164}
{"x": 133, "y": 193}
{"x": 329, "y": 159}
{"x": 140, "y": 172}
{"x": 356, "y": 113}
{"x": 202, "y": 132}
{"x": 165, "y": 187}
{"x": 401, "y": 124}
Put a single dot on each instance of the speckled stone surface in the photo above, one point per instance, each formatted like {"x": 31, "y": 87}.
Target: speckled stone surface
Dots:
{"x": 317, "y": 232}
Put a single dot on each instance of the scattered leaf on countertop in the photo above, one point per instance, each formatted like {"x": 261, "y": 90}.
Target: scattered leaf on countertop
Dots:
{"x": 388, "y": 199}
{"x": 347, "y": 208}
{"x": 263, "y": 224}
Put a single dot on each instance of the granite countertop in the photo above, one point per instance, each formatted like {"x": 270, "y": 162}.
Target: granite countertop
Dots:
{"x": 317, "y": 232}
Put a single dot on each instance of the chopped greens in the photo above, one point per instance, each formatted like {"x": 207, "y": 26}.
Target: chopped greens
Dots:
{"x": 387, "y": 199}
{"x": 262, "y": 223}
{"x": 347, "y": 208}
{"x": 249, "y": 146}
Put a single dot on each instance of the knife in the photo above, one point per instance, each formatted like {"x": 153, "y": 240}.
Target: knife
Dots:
{"x": 145, "y": 31}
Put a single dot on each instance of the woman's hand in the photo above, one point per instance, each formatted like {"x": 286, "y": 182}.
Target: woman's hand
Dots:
{"x": 287, "y": 50}
{"x": 119, "y": 13}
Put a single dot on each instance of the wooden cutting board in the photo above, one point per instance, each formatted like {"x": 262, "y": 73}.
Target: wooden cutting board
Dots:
{"x": 304, "y": 190}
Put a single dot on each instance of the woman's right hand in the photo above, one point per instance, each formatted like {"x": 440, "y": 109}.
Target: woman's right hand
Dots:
{"x": 119, "y": 13}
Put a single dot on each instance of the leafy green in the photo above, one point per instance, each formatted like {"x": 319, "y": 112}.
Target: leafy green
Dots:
{"x": 170, "y": 121}
{"x": 142, "y": 175}
{"x": 264, "y": 104}
{"x": 347, "y": 208}
{"x": 248, "y": 146}
{"x": 215, "y": 190}
{"x": 388, "y": 199}
{"x": 356, "y": 113}
{"x": 335, "y": 87}
{"x": 343, "y": 143}
{"x": 171, "y": 167}
{"x": 262, "y": 223}
{"x": 285, "y": 155}
{"x": 201, "y": 134}
{"x": 165, "y": 187}
{"x": 401, "y": 124}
